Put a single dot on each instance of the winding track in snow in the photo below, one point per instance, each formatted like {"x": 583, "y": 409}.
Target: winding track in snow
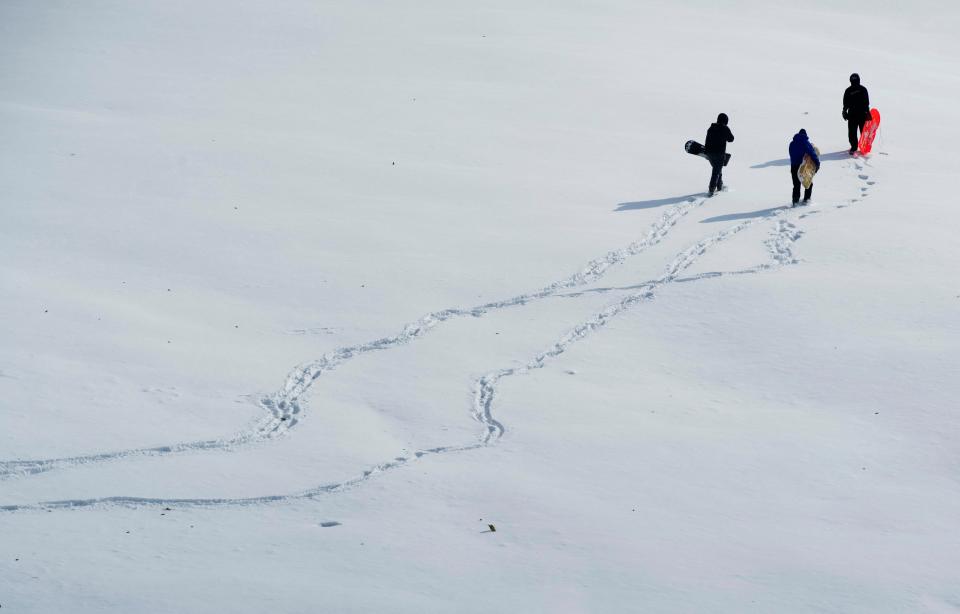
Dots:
{"x": 285, "y": 408}
{"x": 484, "y": 395}
{"x": 779, "y": 247}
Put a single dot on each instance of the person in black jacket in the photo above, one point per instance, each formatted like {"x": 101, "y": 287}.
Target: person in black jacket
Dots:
{"x": 856, "y": 110}
{"x": 718, "y": 135}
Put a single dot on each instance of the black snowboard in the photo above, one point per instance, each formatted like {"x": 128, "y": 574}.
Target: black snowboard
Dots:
{"x": 696, "y": 149}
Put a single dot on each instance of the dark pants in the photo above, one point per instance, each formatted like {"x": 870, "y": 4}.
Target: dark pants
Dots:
{"x": 796, "y": 185}
{"x": 716, "y": 172}
{"x": 852, "y": 127}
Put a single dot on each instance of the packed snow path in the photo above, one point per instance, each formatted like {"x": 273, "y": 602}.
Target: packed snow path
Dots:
{"x": 286, "y": 407}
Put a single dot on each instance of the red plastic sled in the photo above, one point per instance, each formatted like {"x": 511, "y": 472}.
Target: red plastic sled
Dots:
{"x": 869, "y": 132}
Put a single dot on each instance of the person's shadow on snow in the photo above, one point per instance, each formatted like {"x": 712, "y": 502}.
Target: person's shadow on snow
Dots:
{"x": 730, "y": 217}
{"x": 837, "y": 155}
{"x": 659, "y": 202}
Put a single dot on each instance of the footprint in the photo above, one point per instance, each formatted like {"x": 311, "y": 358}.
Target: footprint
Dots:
{"x": 317, "y": 330}
{"x": 863, "y": 176}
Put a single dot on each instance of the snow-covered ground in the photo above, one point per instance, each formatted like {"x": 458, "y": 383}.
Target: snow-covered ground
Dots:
{"x": 297, "y": 298}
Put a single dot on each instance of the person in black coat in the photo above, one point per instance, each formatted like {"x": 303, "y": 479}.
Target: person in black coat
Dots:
{"x": 718, "y": 135}
{"x": 856, "y": 110}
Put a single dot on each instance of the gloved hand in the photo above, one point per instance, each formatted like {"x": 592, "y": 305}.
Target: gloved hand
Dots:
{"x": 845, "y": 115}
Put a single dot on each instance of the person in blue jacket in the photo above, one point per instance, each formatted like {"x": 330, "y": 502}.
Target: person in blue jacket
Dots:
{"x": 799, "y": 147}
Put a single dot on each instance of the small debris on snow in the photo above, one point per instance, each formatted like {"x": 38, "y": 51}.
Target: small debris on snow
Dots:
{"x": 493, "y": 529}
{"x": 570, "y": 372}
{"x": 331, "y": 523}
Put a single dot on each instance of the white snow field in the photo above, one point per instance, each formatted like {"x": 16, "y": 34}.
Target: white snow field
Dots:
{"x": 297, "y": 298}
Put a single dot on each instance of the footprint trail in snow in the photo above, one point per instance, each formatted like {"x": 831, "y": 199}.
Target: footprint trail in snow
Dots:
{"x": 285, "y": 408}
